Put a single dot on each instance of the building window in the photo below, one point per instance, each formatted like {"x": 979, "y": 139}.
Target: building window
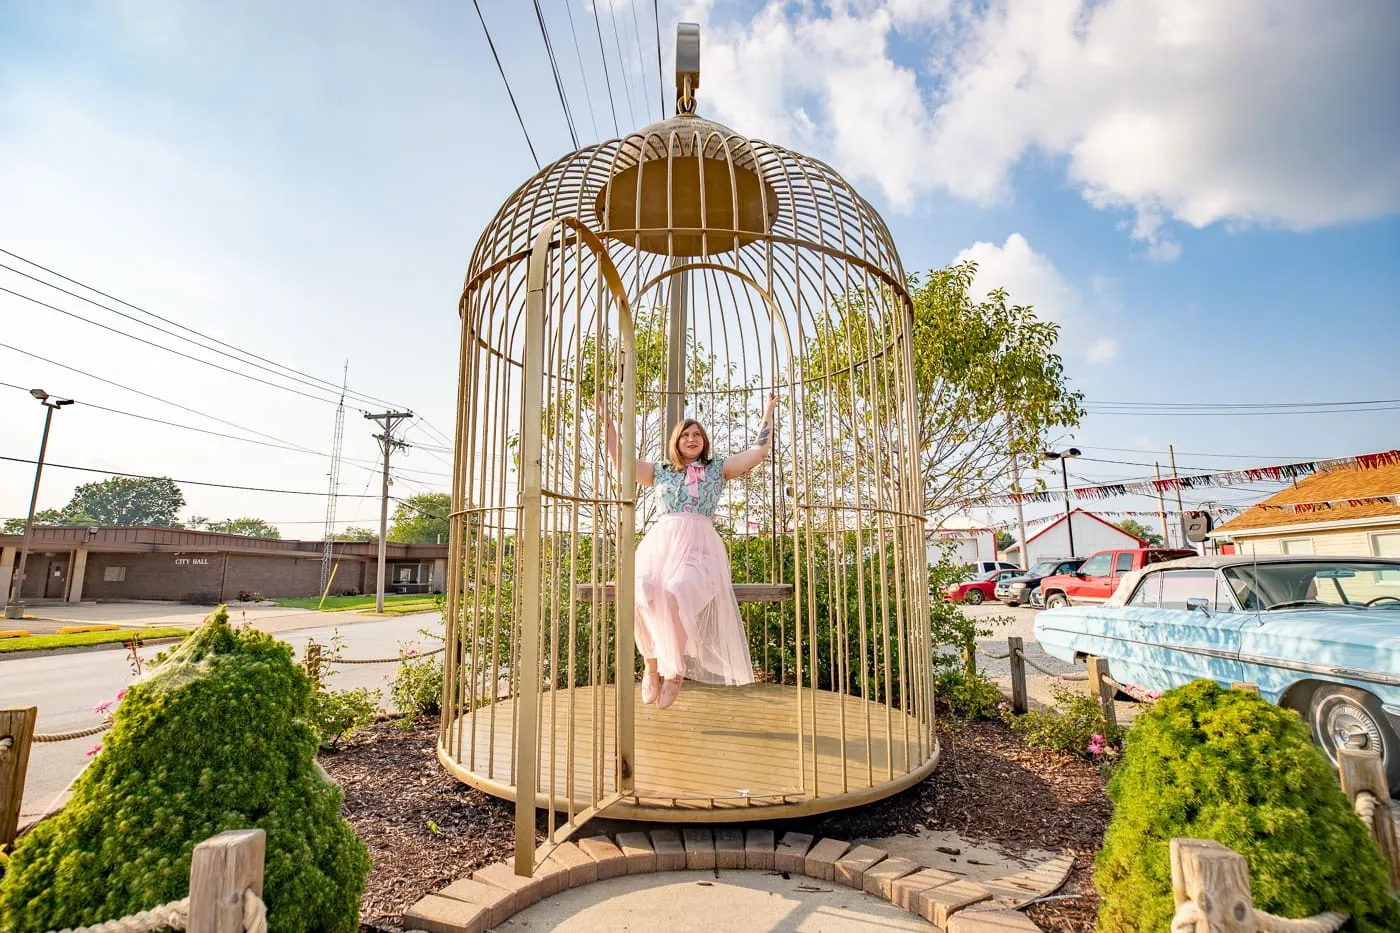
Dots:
{"x": 1297, "y": 545}
{"x": 114, "y": 574}
{"x": 1386, "y": 544}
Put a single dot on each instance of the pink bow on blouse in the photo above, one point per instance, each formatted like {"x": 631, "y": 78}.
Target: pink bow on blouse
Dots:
{"x": 693, "y": 475}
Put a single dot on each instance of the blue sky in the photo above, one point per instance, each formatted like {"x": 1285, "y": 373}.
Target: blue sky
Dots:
{"x": 1204, "y": 195}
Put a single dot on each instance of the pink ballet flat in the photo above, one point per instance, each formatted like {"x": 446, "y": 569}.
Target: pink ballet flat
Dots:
{"x": 670, "y": 689}
{"x": 651, "y": 686}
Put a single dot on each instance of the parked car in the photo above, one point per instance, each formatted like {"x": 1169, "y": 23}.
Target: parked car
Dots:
{"x": 979, "y": 590}
{"x": 1320, "y": 635}
{"x": 1098, "y": 578}
{"x": 1017, "y": 590}
{"x": 987, "y": 566}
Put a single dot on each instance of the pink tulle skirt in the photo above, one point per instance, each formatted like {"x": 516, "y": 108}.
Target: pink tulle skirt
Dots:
{"x": 687, "y": 617}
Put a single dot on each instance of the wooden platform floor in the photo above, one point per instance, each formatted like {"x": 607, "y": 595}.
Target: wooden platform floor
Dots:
{"x": 718, "y": 753}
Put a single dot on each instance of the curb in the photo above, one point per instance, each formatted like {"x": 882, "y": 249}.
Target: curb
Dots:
{"x": 80, "y": 649}
{"x": 495, "y": 893}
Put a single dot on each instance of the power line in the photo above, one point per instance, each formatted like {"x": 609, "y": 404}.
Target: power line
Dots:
{"x": 612, "y": 101}
{"x": 641, "y": 57}
{"x": 184, "y": 482}
{"x": 272, "y": 442}
{"x": 166, "y": 320}
{"x": 554, "y": 67}
{"x": 157, "y": 398}
{"x": 1196, "y": 453}
{"x": 621, "y": 63}
{"x": 1197, "y": 413}
{"x": 509, "y": 92}
{"x": 660, "y": 77}
{"x": 1208, "y": 405}
{"x": 159, "y": 346}
{"x": 583, "y": 72}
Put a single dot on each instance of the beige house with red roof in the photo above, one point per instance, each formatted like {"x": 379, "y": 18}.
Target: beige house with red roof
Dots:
{"x": 1338, "y": 528}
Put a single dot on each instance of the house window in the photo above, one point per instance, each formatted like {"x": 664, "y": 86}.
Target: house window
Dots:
{"x": 1386, "y": 544}
{"x": 1297, "y": 545}
{"x": 114, "y": 574}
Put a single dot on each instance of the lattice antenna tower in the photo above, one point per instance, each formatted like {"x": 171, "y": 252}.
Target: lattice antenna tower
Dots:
{"x": 334, "y": 488}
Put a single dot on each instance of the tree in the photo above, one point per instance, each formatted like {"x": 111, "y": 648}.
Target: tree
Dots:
{"x": 1004, "y": 540}
{"x": 251, "y": 527}
{"x": 990, "y": 385}
{"x": 357, "y": 534}
{"x": 129, "y": 500}
{"x": 421, "y": 519}
{"x": 1139, "y": 530}
{"x": 15, "y": 526}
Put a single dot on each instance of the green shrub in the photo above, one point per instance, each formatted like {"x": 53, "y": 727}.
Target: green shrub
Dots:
{"x": 417, "y": 687}
{"x": 336, "y": 714}
{"x": 215, "y": 738}
{"x": 1071, "y": 724}
{"x": 1225, "y": 765}
{"x": 969, "y": 696}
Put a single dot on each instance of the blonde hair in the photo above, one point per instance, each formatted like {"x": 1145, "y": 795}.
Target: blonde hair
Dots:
{"x": 673, "y": 448}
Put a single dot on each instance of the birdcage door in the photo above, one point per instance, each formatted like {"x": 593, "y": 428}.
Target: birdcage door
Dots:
{"x": 577, "y": 531}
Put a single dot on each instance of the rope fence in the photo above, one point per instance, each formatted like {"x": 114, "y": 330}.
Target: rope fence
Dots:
{"x": 75, "y": 734}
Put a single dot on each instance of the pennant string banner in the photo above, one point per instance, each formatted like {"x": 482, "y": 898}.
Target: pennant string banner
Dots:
{"x": 1151, "y": 487}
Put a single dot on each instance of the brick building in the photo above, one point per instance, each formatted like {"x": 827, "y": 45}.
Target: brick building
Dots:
{"x": 76, "y": 564}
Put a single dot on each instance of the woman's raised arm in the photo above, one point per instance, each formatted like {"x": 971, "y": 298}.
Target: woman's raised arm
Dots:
{"x": 743, "y": 462}
{"x": 645, "y": 470}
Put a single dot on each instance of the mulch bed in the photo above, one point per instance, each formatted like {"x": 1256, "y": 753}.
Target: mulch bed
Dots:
{"x": 424, "y": 829}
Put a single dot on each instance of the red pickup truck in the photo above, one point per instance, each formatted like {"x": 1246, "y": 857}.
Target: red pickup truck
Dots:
{"x": 1100, "y": 575}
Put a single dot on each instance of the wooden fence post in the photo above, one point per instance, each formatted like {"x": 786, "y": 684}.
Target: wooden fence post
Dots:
{"x": 1099, "y": 686}
{"x": 222, "y": 868}
{"x": 1363, "y": 772}
{"x": 313, "y": 662}
{"x": 16, "y": 735}
{"x": 1014, "y": 647}
{"x": 1216, "y": 880}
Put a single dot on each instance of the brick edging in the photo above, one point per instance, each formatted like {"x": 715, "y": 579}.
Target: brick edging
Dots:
{"x": 495, "y": 893}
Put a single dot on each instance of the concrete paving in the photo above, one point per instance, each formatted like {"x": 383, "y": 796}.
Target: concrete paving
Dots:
{"x": 714, "y": 902}
{"x": 947, "y": 851}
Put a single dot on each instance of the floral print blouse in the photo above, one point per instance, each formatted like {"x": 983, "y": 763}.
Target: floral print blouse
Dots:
{"x": 695, "y": 489}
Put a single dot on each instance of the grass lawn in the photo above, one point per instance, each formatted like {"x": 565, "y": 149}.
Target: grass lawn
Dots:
{"x": 32, "y": 642}
{"x": 393, "y": 605}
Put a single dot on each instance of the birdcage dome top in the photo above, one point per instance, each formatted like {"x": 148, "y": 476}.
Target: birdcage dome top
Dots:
{"x": 690, "y": 186}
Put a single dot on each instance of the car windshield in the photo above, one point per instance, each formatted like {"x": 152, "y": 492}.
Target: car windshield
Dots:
{"x": 1319, "y": 584}
{"x": 989, "y": 575}
{"x": 1043, "y": 569}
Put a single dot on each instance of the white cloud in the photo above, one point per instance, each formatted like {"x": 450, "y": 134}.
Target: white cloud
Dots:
{"x": 1030, "y": 278}
{"x": 1247, "y": 112}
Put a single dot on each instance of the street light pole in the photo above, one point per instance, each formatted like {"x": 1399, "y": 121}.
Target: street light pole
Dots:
{"x": 1062, "y": 456}
{"x": 14, "y": 605}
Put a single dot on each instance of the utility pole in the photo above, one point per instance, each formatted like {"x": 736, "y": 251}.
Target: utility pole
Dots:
{"x": 1161, "y": 505}
{"x": 1020, "y": 513}
{"x": 388, "y": 444}
{"x": 1180, "y": 509}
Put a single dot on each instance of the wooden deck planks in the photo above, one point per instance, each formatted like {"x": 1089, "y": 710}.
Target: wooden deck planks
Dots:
{"x": 715, "y": 742}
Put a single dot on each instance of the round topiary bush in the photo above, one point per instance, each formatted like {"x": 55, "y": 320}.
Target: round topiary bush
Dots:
{"x": 214, "y": 738}
{"x": 1225, "y": 765}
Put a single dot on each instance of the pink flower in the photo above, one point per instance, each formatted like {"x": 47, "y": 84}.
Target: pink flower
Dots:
{"x": 1095, "y": 748}
{"x": 121, "y": 694}
{"x": 411, "y": 652}
{"x": 102, "y": 707}
{"x": 94, "y": 750}
{"x": 1097, "y": 738}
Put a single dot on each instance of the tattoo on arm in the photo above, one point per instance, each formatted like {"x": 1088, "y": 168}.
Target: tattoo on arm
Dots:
{"x": 764, "y": 434}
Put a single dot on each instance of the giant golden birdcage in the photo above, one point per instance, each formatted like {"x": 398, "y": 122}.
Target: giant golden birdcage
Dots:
{"x": 685, "y": 270}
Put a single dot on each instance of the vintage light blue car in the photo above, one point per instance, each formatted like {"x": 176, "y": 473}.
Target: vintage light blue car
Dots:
{"x": 1320, "y": 635}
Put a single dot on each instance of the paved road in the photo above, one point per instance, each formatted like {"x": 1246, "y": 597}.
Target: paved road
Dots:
{"x": 66, "y": 687}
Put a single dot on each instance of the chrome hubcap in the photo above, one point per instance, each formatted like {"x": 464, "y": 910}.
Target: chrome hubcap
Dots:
{"x": 1348, "y": 726}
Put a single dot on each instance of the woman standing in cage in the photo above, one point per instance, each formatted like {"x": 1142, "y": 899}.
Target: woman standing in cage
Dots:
{"x": 688, "y": 623}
